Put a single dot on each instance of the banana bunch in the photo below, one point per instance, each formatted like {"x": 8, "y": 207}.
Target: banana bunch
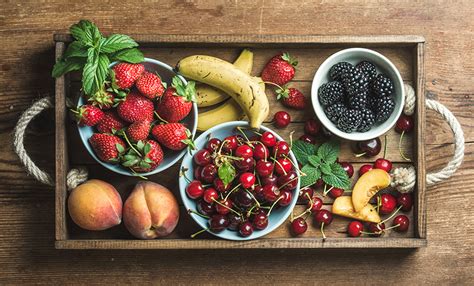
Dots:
{"x": 247, "y": 91}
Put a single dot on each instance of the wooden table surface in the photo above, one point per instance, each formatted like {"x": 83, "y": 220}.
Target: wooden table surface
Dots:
{"x": 27, "y": 253}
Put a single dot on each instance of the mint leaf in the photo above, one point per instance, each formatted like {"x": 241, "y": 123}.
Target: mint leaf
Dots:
{"x": 132, "y": 55}
{"x": 311, "y": 175}
{"x": 64, "y": 66}
{"x": 102, "y": 71}
{"x": 303, "y": 150}
{"x": 86, "y": 32}
{"x": 89, "y": 71}
{"x": 117, "y": 42}
{"x": 325, "y": 168}
{"x": 226, "y": 173}
{"x": 75, "y": 49}
{"x": 314, "y": 160}
{"x": 337, "y": 178}
{"x": 329, "y": 152}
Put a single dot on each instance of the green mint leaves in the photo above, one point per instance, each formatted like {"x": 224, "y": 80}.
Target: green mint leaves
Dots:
{"x": 226, "y": 173}
{"x": 320, "y": 162}
{"x": 92, "y": 53}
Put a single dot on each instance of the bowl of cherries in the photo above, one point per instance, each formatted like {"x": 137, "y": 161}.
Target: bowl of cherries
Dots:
{"x": 239, "y": 184}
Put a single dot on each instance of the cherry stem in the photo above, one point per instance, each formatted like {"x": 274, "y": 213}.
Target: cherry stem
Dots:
{"x": 232, "y": 210}
{"x": 232, "y": 157}
{"x": 378, "y": 203}
{"x": 190, "y": 211}
{"x": 392, "y": 227}
{"x": 253, "y": 197}
{"x": 273, "y": 205}
{"x": 400, "y": 147}
{"x": 159, "y": 117}
{"x": 294, "y": 166}
{"x": 243, "y": 134}
{"x": 231, "y": 191}
{"x": 391, "y": 216}
{"x": 281, "y": 166}
{"x": 359, "y": 155}
{"x": 322, "y": 231}
{"x": 137, "y": 174}
{"x": 272, "y": 83}
{"x": 220, "y": 147}
{"x": 291, "y": 138}
{"x": 325, "y": 192}
{"x": 385, "y": 147}
{"x": 264, "y": 149}
{"x": 183, "y": 173}
{"x": 199, "y": 232}
{"x": 308, "y": 210}
{"x": 282, "y": 186}
{"x": 124, "y": 134}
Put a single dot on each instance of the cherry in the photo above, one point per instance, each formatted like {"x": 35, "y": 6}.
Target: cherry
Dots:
{"x": 364, "y": 169}
{"x": 355, "y": 228}
{"x": 316, "y": 205}
{"x": 268, "y": 139}
{"x": 383, "y": 164}
{"x": 205, "y": 208}
{"x": 285, "y": 198}
{"x": 298, "y": 226}
{"x": 209, "y": 173}
{"x": 307, "y": 138}
{"x": 281, "y": 149}
{"x": 305, "y": 194}
{"x": 376, "y": 229}
{"x": 404, "y": 124}
{"x": 288, "y": 181}
{"x": 258, "y": 193}
{"x": 264, "y": 168}
{"x": 195, "y": 190}
{"x": 270, "y": 180}
{"x": 223, "y": 207}
{"x": 260, "y": 220}
{"x": 244, "y": 151}
{"x": 312, "y": 127}
{"x": 210, "y": 194}
{"x": 319, "y": 183}
{"x": 218, "y": 222}
{"x": 336, "y": 192}
{"x": 230, "y": 143}
{"x": 246, "y": 229}
{"x": 197, "y": 173}
{"x": 403, "y": 223}
{"x": 348, "y": 168}
{"x": 213, "y": 144}
{"x": 247, "y": 180}
{"x": 260, "y": 152}
{"x": 202, "y": 157}
{"x": 243, "y": 199}
{"x": 246, "y": 164}
{"x": 323, "y": 217}
{"x": 234, "y": 221}
{"x": 219, "y": 185}
{"x": 281, "y": 119}
{"x": 387, "y": 203}
{"x": 283, "y": 166}
{"x": 406, "y": 201}
{"x": 270, "y": 193}
{"x": 368, "y": 148}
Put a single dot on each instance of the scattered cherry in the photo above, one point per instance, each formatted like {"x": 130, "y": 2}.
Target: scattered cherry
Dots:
{"x": 376, "y": 229}
{"x": 336, "y": 192}
{"x": 355, "y": 228}
{"x": 205, "y": 208}
{"x": 224, "y": 206}
{"x": 307, "y": 138}
{"x": 268, "y": 139}
{"x": 388, "y": 203}
{"x": 246, "y": 229}
{"x": 403, "y": 223}
{"x": 247, "y": 180}
{"x": 315, "y": 205}
{"x": 404, "y": 124}
{"x": 281, "y": 149}
{"x": 323, "y": 218}
{"x": 209, "y": 173}
{"x": 285, "y": 198}
{"x": 383, "y": 164}
{"x": 202, "y": 157}
{"x": 364, "y": 169}
{"x": 218, "y": 222}
{"x": 210, "y": 194}
{"x": 348, "y": 168}
{"x": 283, "y": 166}
{"x": 281, "y": 119}
{"x": 305, "y": 194}
{"x": 260, "y": 152}
{"x": 298, "y": 226}
{"x": 368, "y": 148}
{"x": 264, "y": 168}
{"x": 195, "y": 189}
{"x": 213, "y": 144}
{"x": 244, "y": 151}
{"x": 312, "y": 127}
{"x": 406, "y": 201}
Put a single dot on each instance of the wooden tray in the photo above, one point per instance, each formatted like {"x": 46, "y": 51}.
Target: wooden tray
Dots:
{"x": 406, "y": 52}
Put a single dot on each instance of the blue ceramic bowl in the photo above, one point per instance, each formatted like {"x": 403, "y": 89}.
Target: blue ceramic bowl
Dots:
{"x": 277, "y": 216}
{"x": 170, "y": 157}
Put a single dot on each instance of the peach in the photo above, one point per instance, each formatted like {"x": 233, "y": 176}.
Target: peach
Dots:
{"x": 343, "y": 206}
{"x": 95, "y": 205}
{"x": 150, "y": 211}
{"x": 367, "y": 186}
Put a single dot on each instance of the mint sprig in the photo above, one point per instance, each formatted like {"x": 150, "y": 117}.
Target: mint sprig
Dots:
{"x": 92, "y": 53}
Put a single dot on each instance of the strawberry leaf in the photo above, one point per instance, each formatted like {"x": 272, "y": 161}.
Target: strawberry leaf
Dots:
{"x": 144, "y": 165}
{"x": 119, "y": 147}
{"x": 146, "y": 149}
{"x": 117, "y": 42}
{"x": 289, "y": 59}
{"x": 130, "y": 163}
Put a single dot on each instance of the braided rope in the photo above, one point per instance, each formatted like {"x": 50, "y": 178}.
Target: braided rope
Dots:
{"x": 74, "y": 176}
{"x": 410, "y": 100}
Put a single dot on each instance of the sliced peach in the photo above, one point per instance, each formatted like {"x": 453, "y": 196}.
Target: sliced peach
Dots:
{"x": 367, "y": 186}
{"x": 343, "y": 206}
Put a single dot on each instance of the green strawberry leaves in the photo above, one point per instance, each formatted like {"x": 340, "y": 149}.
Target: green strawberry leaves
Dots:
{"x": 187, "y": 91}
{"x": 289, "y": 59}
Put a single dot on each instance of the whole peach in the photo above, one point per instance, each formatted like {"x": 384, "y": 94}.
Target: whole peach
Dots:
{"x": 150, "y": 211}
{"x": 95, "y": 205}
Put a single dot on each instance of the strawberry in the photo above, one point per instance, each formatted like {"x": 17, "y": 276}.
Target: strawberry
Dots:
{"x": 102, "y": 99}
{"x": 177, "y": 101}
{"x": 107, "y": 147}
{"x": 174, "y": 136}
{"x": 150, "y": 85}
{"x": 88, "y": 115}
{"x": 280, "y": 69}
{"x": 110, "y": 122}
{"x": 126, "y": 74}
{"x": 135, "y": 107}
{"x": 138, "y": 130}
{"x": 151, "y": 156}
{"x": 291, "y": 97}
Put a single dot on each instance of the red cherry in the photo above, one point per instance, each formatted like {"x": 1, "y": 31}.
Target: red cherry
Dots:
{"x": 223, "y": 207}
{"x": 364, "y": 169}
{"x": 195, "y": 190}
{"x": 245, "y": 229}
{"x": 260, "y": 220}
{"x": 383, "y": 164}
{"x": 387, "y": 203}
{"x": 246, "y": 164}
{"x": 281, "y": 149}
{"x": 404, "y": 124}
{"x": 354, "y": 228}
{"x": 336, "y": 192}
{"x": 270, "y": 193}
{"x": 299, "y": 226}
{"x": 348, "y": 168}
{"x": 213, "y": 144}
{"x": 210, "y": 194}
{"x": 218, "y": 223}
{"x": 247, "y": 180}
{"x": 260, "y": 152}
{"x": 281, "y": 119}
{"x": 269, "y": 180}
{"x": 283, "y": 166}
{"x": 288, "y": 181}
{"x": 406, "y": 201}
{"x": 268, "y": 139}
{"x": 219, "y": 185}
{"x": 323, "y": 218}
{"x": 376, "y": 229}
{"x": 305, "y": 194}
{"x": 319, "y": 183}
{"x": 258, "y": 193}
{"x": 202, "y": 157}
{"x": 264, "y": 168}
{"x": 316, "y": 205}
{"x": 403, "y": 223}
{"x": 312, "y": 127}
{"x": 244, "y": 151}
{"x": 209, "y": 173}
{"x": 230, "y": 143}
{"x": 197, "y": 173}
{"x": 308, "y": 139}
{"x": 205, "y": 208}
{"x": 285, "y": 198}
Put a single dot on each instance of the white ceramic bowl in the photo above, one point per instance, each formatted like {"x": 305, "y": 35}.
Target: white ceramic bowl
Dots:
{"x": 354, "y": 56}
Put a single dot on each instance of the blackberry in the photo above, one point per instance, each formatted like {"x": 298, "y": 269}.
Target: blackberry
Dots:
{"x": 354, "y": 81}
{"x": 368, "y": 68}
{"x": 385, "y": 107}
{"x": 382, "y": 85}
{"x": 336, "y": 71}
{"x": 349, "y": 120}
{"x": 359, "y": 100}
{"x": 330, "y": 93}
{"x": 368, "y": 119}
{"x": 333, "y": 112}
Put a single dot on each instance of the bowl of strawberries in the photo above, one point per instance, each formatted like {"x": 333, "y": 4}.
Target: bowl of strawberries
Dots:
{"x": 142, "y": 121}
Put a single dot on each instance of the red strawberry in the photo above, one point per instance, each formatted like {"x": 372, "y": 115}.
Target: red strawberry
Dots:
{"x": 107, "y": 147}
{"x": 138, "y": 130}
{"x": 291, "y": 97}
{"x": 135, "y": 108}
{"x": 174, "y": 136}
{"x": 88, "y": 115}
{"x": 177, "y": 101}
{"x": 152, "y": 156}
{"x": 110, "y": 121}
{"x": 280, "y": 69}
{"x": 150, "y": 85}
{"x": 126, "y": 74}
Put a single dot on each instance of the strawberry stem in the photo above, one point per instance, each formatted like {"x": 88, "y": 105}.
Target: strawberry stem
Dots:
{"x": 400, "y": 147}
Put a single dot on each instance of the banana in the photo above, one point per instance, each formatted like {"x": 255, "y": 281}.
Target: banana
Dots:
{"x": 207, "y": 95}
{"x": 225, "y": 76}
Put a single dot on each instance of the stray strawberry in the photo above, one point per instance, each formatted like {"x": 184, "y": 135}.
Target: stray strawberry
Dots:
{"x": 110, "y": 122}
{"x": 174, "y": 136}
{"x": 138, "y": 130}
{"x": 107, "y": 147}
{"x": 280, "y": 69}
{"x": 151, "y": 156}
{"x": 177, "y": 101}
{"x": 126, "y": 74}
{"x": 88, "y": 115}
{"x": 150, "y": 85}
{"x": 135, "y": 107}
{"x": 291, "y": 97}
